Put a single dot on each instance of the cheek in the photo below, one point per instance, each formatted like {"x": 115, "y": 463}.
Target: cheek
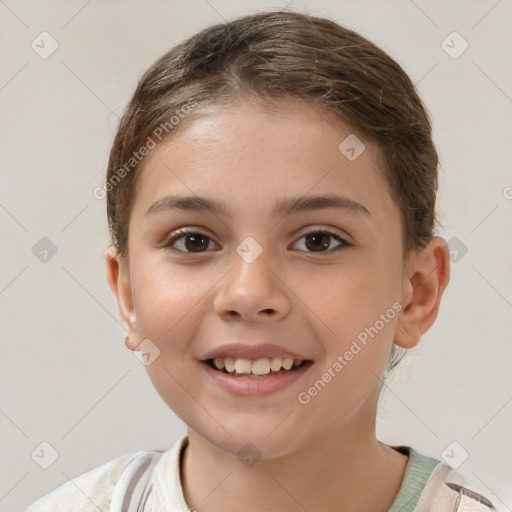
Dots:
{"x": 355, "y": 294}
{"x": 360, "y": 307}
{"x": 168, "y": 305}
{"x": 165, "y": 303}
{"x": 363, "y": 317}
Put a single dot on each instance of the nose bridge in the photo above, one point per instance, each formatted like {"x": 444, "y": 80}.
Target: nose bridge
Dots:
{"x": 251, "y": 288}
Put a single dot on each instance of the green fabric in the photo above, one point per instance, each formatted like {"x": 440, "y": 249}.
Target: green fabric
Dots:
{"x": 417, "y": 472}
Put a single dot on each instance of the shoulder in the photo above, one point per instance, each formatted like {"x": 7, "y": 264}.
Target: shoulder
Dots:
{"x": 90, "y": 491}
{"x": 448, "y": 490}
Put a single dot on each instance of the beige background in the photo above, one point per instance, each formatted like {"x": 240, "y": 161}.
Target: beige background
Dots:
{"x": 66, "y": 377}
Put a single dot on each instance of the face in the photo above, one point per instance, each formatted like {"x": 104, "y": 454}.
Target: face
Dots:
{"x": 322, "y": 284}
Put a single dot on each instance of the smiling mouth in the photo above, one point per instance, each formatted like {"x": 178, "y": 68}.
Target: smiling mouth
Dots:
{"x": 260, "y": 368}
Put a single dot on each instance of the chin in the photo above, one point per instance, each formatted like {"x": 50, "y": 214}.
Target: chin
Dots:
{"x": 254, "y": 440}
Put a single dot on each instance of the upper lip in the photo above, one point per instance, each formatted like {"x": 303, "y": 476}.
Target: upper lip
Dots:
{"x": 240, "y": 350}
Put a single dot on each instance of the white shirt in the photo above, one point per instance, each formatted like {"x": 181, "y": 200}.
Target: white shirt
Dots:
{"x": 428, "y": 486}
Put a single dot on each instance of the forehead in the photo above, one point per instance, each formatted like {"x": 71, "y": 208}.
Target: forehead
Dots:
{"x": 251, "y": 157}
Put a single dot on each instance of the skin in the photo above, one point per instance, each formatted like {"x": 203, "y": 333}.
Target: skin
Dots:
{"x": 314, "y": 302}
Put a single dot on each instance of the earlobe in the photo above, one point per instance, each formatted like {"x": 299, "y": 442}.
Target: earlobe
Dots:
{"x": 427, "y": 275}
{"x": 119, "y": 282}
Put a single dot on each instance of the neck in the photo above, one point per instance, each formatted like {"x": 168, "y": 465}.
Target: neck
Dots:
{"x": 347, "y": 466}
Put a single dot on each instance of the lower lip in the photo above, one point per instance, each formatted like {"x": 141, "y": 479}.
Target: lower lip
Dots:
{"x": 256, "y": 386}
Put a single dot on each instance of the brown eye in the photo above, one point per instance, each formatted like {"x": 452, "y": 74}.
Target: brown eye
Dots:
{"x": 320, "y": 241}
{"x": 197, "y": 242}
{"x": 190, "y": 242}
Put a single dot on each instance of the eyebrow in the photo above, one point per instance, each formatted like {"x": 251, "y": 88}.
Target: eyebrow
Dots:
{"x": 281, "y": 208}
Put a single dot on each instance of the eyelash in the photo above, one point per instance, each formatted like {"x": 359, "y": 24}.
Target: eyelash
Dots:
{"x": 183, "y": 232}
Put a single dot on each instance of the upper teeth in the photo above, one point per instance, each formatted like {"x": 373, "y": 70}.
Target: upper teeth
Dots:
{"x": 258, "y": 367}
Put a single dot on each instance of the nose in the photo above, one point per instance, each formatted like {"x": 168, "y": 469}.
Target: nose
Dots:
{"x": 253, "y": 292}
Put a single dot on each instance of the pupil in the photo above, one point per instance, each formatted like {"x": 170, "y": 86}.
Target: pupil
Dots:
{"x": 194, "y": 238}
{"x": 324, "y": 239}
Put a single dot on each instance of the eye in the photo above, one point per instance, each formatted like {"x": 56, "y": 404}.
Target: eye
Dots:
{"x": 190, "y": 241}
{"x": 193, "y": 241}
{"x": 320, "y": 239}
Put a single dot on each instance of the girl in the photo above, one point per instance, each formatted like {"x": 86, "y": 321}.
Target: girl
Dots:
{"x": 271, "y": 201}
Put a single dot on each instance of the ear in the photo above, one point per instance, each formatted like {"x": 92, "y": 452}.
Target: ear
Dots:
{"x": 426, "y": 276}
{"x": 119, "y": 282}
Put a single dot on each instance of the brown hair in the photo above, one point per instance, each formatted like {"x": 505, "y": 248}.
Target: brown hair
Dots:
{"x": 275, "y": 55}
{"x": 279, "y": 54}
